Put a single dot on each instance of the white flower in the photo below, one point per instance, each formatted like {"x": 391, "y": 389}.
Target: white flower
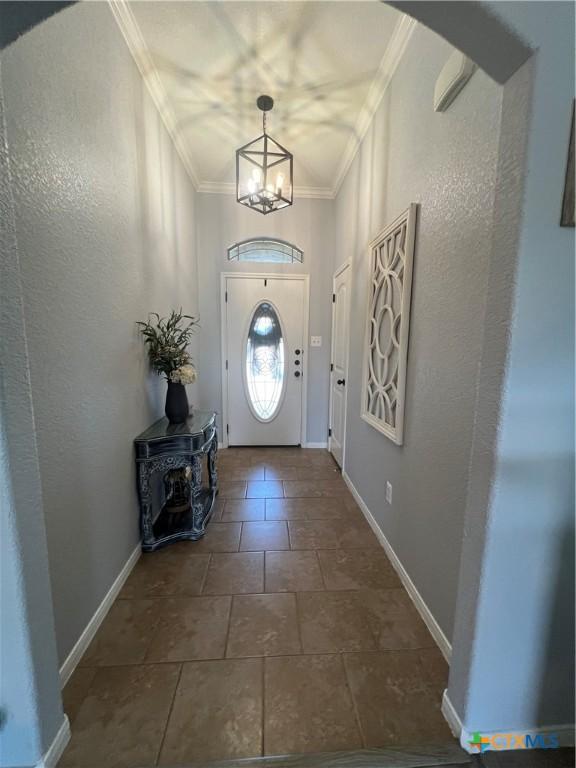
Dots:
{"x": 186, "y": 374}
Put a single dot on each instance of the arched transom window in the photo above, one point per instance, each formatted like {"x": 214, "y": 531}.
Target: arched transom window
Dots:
{"x": 265, "y": 250}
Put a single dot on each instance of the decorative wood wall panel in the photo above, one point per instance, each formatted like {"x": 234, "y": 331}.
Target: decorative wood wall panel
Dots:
{"x": 387, "y": 326}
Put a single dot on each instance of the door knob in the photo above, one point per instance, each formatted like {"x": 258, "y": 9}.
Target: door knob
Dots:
{"x": 297, "y": 374}
{"x": 296, "y": 351}
{"x": 296, "y": 362}
{"x": 341, "y": 381}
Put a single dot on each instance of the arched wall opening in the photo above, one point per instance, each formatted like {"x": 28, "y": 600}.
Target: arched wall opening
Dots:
{"x": 473, "y": 28}
{"x": 498, "y": 48}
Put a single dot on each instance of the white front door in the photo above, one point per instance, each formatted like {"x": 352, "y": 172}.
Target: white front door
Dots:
{"x": 264, "y": 359}
{"x": 340, "y": 321}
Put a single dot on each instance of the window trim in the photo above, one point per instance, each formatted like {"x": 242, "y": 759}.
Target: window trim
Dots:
{"x": 297, "y": 254}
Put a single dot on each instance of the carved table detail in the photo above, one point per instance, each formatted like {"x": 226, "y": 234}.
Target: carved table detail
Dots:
{"x": 164, "y": 447}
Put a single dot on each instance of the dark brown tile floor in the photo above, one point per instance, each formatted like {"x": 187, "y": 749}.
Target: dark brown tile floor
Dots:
{"x": 284, "y": 630}
{"x": 536, "y": 758}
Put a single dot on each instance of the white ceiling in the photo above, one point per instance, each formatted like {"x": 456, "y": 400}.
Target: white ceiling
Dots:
{"x": 324, "y": 63}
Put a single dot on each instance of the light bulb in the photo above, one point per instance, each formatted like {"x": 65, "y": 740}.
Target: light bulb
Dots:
{"x": 251, "y": 186}
{"x": 279, "y": 183}
{"x": 256, "y": 175}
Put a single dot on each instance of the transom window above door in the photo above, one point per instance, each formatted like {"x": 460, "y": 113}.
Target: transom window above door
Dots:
{"x": 265, "y": 250}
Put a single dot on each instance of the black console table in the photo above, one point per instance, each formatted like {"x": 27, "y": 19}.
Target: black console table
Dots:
{"x": 164, "y": 447}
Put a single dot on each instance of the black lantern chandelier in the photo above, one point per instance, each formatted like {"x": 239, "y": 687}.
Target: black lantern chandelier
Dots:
{"x": 264, "y": 170}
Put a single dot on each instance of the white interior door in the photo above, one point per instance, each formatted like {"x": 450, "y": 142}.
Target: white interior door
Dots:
{"x": 265, "y": 360}
{"x": 340, "y": 323}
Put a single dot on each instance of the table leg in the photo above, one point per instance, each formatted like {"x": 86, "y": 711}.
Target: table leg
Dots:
{"x": 212, "y": 465}
{"x": 196, "y": 494}
{"x": 145, "y": 499}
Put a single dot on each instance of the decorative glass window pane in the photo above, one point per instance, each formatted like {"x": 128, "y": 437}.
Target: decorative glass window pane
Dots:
{"x": 265, "y": 250}
{"x": 265, "y": 362}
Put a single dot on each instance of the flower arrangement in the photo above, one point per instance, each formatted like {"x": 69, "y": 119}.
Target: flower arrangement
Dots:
{"x": 186, "y": 374}
{"x": 167, "y": 341}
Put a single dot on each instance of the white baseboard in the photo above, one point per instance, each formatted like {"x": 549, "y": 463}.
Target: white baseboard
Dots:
{"x": 224, "y": 446}
{"x": 55, "y": 750}
{"x": 451, "y": 716}
{"x": 433, "y": 626}
{"x": 564, "y": 733}
{"x": 504, "y": 740}
{"x": 86, "y": 637}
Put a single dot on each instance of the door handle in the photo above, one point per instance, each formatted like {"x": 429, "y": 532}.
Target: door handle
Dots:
{"x": 341, "y": 381}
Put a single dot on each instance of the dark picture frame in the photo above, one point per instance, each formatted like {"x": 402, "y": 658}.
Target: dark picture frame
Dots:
{"x": 569, "y": 201}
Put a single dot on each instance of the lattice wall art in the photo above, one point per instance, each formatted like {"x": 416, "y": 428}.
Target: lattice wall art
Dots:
{"x": 387, "y": 326}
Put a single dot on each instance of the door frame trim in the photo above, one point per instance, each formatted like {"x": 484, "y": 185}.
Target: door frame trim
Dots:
{"x": 224, "y": 277}
{"x": 346, "y": 265}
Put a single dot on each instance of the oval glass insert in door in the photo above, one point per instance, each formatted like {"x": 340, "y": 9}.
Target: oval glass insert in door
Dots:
{"x": 265, "y": 369}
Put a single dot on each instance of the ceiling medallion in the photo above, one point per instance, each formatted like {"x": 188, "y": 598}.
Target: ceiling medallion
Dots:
{"x": 264, "y": 170}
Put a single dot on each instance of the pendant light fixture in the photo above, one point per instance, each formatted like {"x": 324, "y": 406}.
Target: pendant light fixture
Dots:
{"x": 264, "y": 170}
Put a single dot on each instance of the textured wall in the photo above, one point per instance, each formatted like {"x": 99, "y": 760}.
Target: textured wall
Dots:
{"x": 309, "y": 224}
{"x": 446, "y": 163}
{"x": 105, "y": 222}
{"x": 101, "y": 244}
{"x": 31, "y": 708}
{"x": 518, "y": 557}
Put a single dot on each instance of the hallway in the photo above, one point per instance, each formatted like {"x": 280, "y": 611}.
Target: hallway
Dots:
{"x": 408, "y": 305}
{"x": 285, "y": 630}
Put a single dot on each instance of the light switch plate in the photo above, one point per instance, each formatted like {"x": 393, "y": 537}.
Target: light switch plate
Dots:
{"x": 315, "y": 341}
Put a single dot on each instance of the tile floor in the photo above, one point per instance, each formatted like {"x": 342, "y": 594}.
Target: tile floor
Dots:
{"x": 284, "y": 630}
{"x": 536, "y": 758}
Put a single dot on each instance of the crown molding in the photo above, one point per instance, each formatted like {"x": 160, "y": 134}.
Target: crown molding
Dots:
{"x": 141, "y": 54}
{"x": 320, "y": 193}
{"x": 217, "y": 187}
{"x": 229, "y": 188}
{"x": 394, "y": 51}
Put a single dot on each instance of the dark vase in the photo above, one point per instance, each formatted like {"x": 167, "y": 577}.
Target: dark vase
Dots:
{"x": 177, "y": 408}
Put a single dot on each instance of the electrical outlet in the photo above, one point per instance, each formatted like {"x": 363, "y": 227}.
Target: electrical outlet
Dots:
{"x": 389, "y": 492}
{"x": 315, "y": 341}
